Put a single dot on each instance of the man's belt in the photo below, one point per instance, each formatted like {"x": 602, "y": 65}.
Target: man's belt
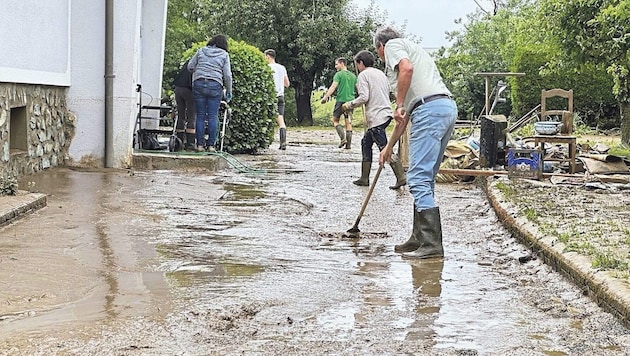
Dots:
{"x": 428, "y": 99}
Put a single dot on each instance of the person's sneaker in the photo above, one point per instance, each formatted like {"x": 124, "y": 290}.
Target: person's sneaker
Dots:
{"x": 210, "y": 149}
{"x": 343, "y": 143}
{"x": 200, "y": 149}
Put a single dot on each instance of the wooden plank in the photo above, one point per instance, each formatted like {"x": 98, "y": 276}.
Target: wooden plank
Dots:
{"x": 488, "y": 173}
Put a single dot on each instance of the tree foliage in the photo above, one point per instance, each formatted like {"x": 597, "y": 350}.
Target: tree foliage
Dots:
{"x": 513, "y": 39}
{"x": 183, "y": 29}
{"x": 596, "y": 31}
{"x": 307, "y": 36}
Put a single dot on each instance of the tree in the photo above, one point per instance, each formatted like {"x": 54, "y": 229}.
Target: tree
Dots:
{"x": 307, "y": 36}
{"x": 597, "y": 31}
{"x": 183, "y": 29}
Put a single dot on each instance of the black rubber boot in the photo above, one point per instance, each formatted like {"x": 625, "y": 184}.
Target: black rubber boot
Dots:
{"x": 365, "y": 174}
{"x": 428, "y": 235}
{"x": 399, "y": 172}
{"x": 413, "y": 243}
{"x": 348, "y": 139}
{"x": 342, "y": 135}
{"x": 190, "y": 142}
{"x": 283, "y": 138}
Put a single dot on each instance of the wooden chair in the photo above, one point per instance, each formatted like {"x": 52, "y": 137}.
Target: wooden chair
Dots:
{"x": 565, "y": 115}
{"x": 566, "y": 130}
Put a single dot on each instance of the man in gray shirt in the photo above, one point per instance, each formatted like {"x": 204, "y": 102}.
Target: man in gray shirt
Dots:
{"x": 373, "y": 89}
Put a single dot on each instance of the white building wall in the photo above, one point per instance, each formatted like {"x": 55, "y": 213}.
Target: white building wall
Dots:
{"x": 62, "y": 43}
{"x": 86, "y": 95}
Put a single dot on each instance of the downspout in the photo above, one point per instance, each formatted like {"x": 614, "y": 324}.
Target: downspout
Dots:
{"x": 109, "y": 83}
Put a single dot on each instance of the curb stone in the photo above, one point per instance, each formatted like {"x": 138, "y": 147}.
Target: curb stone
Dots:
{"x": 611, "y": 294}
{"x": 13, "y": 207}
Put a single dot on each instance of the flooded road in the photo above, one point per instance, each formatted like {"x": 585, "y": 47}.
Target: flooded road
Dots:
{"x": 191, "y": 263}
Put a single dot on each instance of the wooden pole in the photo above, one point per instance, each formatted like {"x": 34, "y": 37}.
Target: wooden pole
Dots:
{"x": 487, "y": 173}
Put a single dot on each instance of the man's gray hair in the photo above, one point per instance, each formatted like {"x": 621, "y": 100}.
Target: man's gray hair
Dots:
{"x": 385, "y": 34}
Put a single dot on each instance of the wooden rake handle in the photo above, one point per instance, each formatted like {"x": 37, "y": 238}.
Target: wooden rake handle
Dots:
{"x": 390, "y": 144}
{"x": 367, "y": 197}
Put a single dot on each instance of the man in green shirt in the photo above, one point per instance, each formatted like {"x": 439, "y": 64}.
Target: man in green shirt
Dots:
{"x": 344, "y": 82}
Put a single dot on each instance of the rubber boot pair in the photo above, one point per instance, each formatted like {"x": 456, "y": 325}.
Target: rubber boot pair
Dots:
{"x": 426, "y": 237}
{"x": 397, "y": 167}
{"x": 342, "y": 135}
{"x": 283, "y": 138}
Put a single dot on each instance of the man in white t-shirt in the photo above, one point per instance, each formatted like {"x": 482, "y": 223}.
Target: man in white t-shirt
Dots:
{"x": 423, "y": 99}
{"x": 281, "y": 81}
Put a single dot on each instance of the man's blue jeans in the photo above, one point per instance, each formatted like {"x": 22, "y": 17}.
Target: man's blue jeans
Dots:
{"x": 208, "y": 95}
{"x": 432, "y": 125}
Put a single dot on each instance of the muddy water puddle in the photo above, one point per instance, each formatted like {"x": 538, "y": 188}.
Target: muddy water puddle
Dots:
{"x": 260, "y": 263}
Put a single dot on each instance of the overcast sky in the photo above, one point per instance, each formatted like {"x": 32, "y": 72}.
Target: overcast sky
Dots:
{"x": 428, "y": 19}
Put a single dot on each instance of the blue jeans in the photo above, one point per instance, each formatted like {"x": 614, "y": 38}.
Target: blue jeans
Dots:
{"x": 208, "y": 95}
{"x": 432, "y": 125}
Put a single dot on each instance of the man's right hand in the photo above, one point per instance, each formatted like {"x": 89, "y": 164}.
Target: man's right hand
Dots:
{"x": 324, "y": 100}
{"x": 399, "y": 115}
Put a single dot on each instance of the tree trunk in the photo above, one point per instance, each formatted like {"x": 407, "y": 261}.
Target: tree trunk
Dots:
{"x": 625, "y": 122}
{"x": 303, "y": 102}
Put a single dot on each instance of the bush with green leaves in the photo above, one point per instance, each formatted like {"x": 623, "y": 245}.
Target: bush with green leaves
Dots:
{"x": 8, "y": 185}
{"x": 254, "y": 105}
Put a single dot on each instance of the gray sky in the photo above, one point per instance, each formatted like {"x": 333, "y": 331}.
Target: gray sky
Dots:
{"x": 428, "y": 19}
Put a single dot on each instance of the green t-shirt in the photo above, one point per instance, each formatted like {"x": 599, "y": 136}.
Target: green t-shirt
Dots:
{"x": 346, "y": 81}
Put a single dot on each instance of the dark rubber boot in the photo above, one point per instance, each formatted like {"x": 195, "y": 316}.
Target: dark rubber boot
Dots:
{"x": 428, "y": 235}
{"x": 342, "y": 135}
{"x": 365, "y": 174}
{"x": 348, "y": 139}
{"x": 283, "y": 139}
{"x": 190, "y": 142}
{"x": 413, "y": 243}
{"x": 399, "y": 172}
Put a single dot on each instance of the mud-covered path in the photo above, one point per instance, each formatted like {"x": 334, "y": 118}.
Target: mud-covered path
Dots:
{"x": 191, "y": 263}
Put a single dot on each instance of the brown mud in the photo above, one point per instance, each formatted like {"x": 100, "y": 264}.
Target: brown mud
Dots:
{"x": 198, "y": 263}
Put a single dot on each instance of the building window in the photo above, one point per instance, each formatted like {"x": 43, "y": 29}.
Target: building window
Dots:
{"x": 17, "y": 130}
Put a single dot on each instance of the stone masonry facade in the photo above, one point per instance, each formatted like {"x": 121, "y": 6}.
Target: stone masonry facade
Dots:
{"x": 36, "y": 128}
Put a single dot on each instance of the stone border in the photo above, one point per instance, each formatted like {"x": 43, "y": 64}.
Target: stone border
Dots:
{"x": 608, "y": 292}
{"x": 14, "y": 207}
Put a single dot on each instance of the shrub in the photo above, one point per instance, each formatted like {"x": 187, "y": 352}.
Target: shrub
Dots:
{"x": 8, "y": 185}
{"x": 253, "y": 104}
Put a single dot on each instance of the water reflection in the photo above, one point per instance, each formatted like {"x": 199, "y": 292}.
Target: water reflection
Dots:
{"x": 426, "y": 277}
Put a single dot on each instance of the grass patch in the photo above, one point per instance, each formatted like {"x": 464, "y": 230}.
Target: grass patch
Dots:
{"x": 564, "y": 237}
{"x": 506, "y": 190}
{"x": 583, "y": 248}
{"x": 605, "y": 261}
{"x": 531, "y": 214}
{"x": 620, "y": 150}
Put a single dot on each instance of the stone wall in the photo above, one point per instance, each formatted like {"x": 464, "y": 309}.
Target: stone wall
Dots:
{"x": 36, "y": 128}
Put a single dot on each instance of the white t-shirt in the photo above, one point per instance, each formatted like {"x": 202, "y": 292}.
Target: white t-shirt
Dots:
{"x": 373, "y": 91}
{"x": 279, "y": 72}
{"x": 426, "y": 79}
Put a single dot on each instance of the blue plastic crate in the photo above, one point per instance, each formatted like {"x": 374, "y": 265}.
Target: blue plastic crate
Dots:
{"x": 524, "y": 163}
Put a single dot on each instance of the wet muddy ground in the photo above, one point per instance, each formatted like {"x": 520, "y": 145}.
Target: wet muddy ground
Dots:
{"x": 198, "y": 263}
